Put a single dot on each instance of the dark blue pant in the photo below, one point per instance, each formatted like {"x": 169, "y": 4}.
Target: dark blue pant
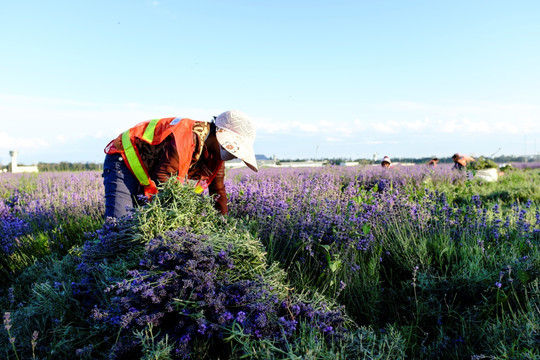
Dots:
{"x": 121, "y": 186}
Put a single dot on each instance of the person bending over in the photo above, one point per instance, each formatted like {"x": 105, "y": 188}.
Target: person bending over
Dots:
{"x": 460, "y": 161}
{"x": 152, "y": 151}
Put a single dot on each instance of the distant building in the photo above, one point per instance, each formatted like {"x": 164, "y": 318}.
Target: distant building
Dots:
{"x": 309, "y": 163}
{"x": 15, "y": 168}
{"x": 349, "y": 163}
{"x": 262, "y": 161}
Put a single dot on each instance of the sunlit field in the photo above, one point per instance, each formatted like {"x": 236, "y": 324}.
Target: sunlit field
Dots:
{"x": 411, "y": 262}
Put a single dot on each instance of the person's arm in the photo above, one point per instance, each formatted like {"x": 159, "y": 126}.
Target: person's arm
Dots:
{"x": 168, "y": 164}
{"x": 217, "y": 188}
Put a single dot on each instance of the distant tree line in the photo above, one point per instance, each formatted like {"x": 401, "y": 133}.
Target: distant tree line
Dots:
{"x": 61, "y": 166}
{"x": 87, "y": 166}
{"x": 69, "y": 166}
{"x": 498, "y": 159}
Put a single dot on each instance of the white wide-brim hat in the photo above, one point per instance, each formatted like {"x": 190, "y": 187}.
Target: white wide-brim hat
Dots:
{"x": 235, "y": 132}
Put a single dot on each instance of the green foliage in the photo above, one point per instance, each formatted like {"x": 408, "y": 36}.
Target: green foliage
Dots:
{"x": 362, "y": 343}
{"x": 507, "y": 168}
{"x": 439, "y": 290}
{"x": 482, "y": 163}
{"x": 177, "y": 207}
{"x": 39, "y": 243}
{"x": 448, "y": 287}
{"x": 153, "y": 348}
{"x": 512, "y": 187}
{"x": 69, "y": 166}
{"x": 418, "y": 292}
{"x": 43, "y": 299}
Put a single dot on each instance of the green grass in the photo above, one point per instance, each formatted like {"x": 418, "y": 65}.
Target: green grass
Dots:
{"x": 419, "y": 292}
{"x": 514, "y": 186}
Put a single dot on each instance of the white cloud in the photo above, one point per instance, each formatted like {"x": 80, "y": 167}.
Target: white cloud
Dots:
{"x": 409, "y": 118}
{"x": 449, "y": 127}
{"x": 60, "y": 139}
{"x": 419, "y": 125}
{"x": 470, "y": 118}
{"x": 333, "y": 139}
{"x": 374, "y": 142}
{"x": 32, "y": 123}
{"x": 68, "y": 119}
{"x": 8, "y": 142}
{"x": 385, "y": 127}
{"x": 42, "y": 101}
{"x": 273, "y": 127}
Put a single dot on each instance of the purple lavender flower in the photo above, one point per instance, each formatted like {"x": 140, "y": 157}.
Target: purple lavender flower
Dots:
{"x": 240, "y": 317}
{"x": 7, "y": 321}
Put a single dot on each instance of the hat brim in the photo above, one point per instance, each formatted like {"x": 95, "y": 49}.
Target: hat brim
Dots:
{"x": 238, "y": 146}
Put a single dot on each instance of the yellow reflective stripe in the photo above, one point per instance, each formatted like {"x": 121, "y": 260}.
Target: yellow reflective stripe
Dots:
{"x": 149, "y": 131}
{"x": 133, "y": 160}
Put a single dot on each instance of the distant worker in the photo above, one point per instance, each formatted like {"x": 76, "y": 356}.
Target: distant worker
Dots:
{"x": 433, "y": 162}
{"x": 152, "y": 151}
{"x": 385, "y": 163}
{"x": 460, "y": 161}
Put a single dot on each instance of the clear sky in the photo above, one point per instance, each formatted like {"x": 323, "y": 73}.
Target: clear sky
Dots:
{"x": 321, "y": 79}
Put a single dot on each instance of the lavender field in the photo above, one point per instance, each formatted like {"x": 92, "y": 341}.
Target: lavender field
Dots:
{"x": 312, "y": 263}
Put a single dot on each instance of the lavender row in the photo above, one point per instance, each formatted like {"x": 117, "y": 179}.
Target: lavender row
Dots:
{"x": 46, "y": 212}
{"x": 301, "y": 210}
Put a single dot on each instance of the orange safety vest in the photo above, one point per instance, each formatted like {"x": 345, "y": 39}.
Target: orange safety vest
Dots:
{"x": 154, "y": 132}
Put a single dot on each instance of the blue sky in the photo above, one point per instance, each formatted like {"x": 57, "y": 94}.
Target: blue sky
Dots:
{"x": 320, "y": 78}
